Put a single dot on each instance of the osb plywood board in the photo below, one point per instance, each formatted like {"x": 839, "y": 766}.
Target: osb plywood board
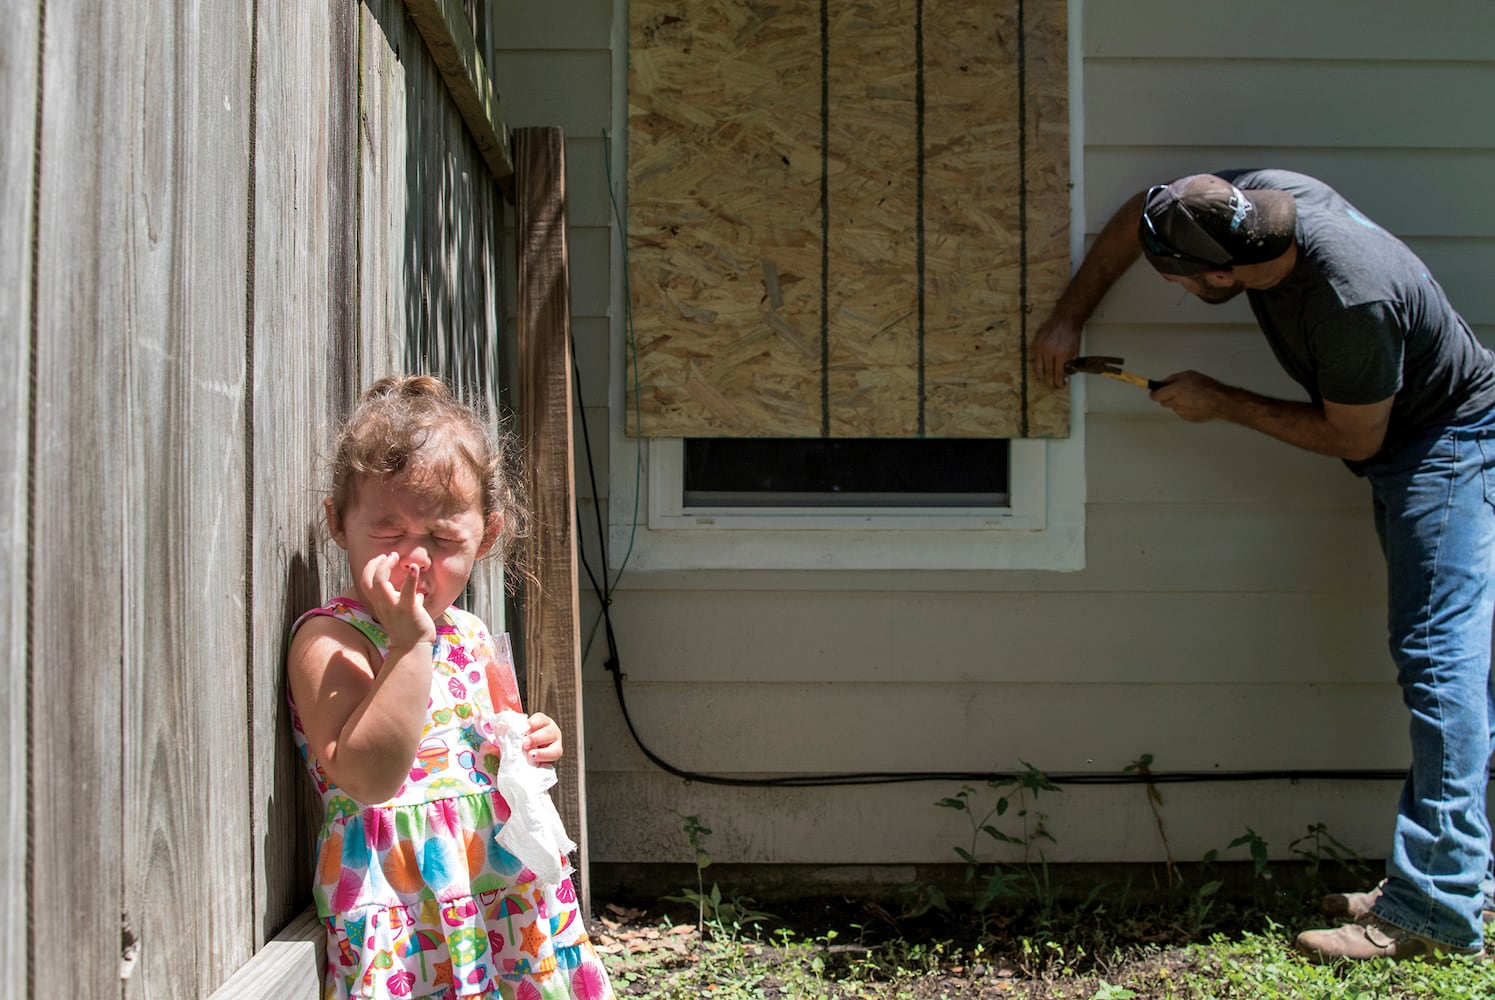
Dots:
{"x": 843, "y": 218}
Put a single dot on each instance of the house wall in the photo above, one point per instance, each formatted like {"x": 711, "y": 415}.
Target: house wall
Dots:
{"x": 1229, "y": 615}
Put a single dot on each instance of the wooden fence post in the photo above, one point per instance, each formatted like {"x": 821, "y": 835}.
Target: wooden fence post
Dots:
{"x": 552, "y": 631}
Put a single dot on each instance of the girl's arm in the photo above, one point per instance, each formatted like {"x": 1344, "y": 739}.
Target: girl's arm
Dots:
{"x": 363, "y": 717}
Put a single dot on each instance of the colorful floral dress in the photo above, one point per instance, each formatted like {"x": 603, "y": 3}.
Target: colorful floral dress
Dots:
{"x": 419, "y": 899}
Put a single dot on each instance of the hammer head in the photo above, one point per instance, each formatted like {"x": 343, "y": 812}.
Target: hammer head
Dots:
{"x": 1094, "y": 364}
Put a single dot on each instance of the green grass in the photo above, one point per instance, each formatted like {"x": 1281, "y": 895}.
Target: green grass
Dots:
{"x": 1261, "y": 966}
{"x": 1080, "y": 957}
{"x": 1212, "y": 930}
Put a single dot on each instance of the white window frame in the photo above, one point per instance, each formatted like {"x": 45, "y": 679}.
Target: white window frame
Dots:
{"x": 667, "y": 512}
{"x": 1041, "y": 528}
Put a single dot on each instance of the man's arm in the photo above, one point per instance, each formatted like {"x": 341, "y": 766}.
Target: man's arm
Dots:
{"x": 1341, "y": 430}
{"x": 1113, "y": 251}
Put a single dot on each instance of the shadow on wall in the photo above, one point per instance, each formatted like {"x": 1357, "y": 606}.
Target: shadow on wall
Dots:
{"x": 455, "y": 306}
{"x": 293, "y": 809}
{"x": 453, "y": 258}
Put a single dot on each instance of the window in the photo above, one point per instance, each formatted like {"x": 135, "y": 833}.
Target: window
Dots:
{"x": 785, "y": 298}
{"x": 831, "y": 473}
{"x": 1035, "y": 521}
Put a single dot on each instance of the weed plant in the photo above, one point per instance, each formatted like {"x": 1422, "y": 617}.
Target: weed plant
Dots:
{"x": 723, "y": 914}
{"x": 1198, "y": 934}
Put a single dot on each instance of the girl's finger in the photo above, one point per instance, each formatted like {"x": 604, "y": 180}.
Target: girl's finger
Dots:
{"x": 545, "y": 755}
{"x": 410, "y": 587}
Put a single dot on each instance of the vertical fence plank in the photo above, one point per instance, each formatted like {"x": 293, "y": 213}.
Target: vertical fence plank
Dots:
{"x": 298, "y": 371}
{"x": 383, "y": 159}
{"x": 19, "y": 51}
{"x": 78, "y": 465}
{"x": 552, "y": 632}
{"x": 430, "y": 238}
{"x": 188, "y": 864}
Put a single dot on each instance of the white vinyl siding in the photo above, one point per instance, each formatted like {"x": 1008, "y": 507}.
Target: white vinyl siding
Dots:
{"x": 1230, "y": 612}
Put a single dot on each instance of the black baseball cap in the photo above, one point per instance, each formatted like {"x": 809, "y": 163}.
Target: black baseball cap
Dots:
{"x": 1205, "y": 223}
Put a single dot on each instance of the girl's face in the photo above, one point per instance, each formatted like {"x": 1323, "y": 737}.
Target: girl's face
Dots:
{"x": 443, "y": 535}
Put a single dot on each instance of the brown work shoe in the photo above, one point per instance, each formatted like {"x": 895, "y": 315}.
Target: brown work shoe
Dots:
{"x": 1372, "y": 937}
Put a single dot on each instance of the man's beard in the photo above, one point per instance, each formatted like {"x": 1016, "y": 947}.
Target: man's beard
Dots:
{"x": 1215, "y": 294}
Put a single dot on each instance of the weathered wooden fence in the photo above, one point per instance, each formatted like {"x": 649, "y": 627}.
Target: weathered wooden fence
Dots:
{"x": 217, "y": 222}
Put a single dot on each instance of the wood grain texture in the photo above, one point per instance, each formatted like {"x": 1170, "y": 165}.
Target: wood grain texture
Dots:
{"x": 910, "y": 215}
{"x": 384, "y": 185}
{"x": 1047, "y": 218}
{"x": 975, "y": 213}
{"x": 552, "y": 635}
{"x": 183, "y": 255}
{"x": 287, "y": 968}
{"x": 301, "y": 377}
{"x": 20, "y": 51}
{"x": 78, "y": 522}
{"x": 874, "y": 346}
{"x": 432, "y": 254}
{"x": 448, "y": 37}
{"x": 725, "y": 245}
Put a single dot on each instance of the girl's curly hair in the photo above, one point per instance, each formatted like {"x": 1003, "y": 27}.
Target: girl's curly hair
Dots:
{"x": 411, "y": 428}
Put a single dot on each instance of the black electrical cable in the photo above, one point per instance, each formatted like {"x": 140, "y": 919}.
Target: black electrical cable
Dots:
{"x": 603, "y": 589}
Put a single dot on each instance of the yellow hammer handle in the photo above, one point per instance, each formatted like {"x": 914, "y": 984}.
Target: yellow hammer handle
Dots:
{"x": 1131, "y": 379}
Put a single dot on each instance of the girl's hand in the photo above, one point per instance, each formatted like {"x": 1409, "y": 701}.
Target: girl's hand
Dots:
{"x": 543, "y": 744}
{"x": 402, "y": 612}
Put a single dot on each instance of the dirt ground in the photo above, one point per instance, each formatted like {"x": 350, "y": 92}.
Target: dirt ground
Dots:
{"x": 932, "y": 960}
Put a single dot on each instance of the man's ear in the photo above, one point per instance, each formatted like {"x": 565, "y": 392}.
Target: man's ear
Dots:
{"x": 335, "y": 523}
{"x": 491, "y": 530}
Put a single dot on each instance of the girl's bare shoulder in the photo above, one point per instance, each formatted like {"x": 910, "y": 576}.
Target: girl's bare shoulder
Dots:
{"x": 323, "y": 642}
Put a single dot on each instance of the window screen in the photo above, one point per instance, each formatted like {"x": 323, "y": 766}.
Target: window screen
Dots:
{"x": 829, "y": 472}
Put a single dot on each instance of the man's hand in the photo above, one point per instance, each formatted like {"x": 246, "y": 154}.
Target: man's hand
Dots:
{"x": 1057, "y": 341}
{"x": 1194, "y": 397}
{"x": 1114, "y": 250}
{"x": 1349, "y": 431}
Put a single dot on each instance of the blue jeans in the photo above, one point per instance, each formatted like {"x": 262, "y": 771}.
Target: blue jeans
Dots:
{"x": 1434, "y": 515}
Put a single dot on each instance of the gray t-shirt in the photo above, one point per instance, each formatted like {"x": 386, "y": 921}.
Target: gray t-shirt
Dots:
{"x": 1360, "y": 318}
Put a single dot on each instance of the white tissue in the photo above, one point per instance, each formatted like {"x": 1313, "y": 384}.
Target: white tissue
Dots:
{"x": 534, "y": 832}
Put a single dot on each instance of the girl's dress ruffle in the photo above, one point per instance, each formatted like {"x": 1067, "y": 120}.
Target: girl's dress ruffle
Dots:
{"x": 388, "y": 875}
